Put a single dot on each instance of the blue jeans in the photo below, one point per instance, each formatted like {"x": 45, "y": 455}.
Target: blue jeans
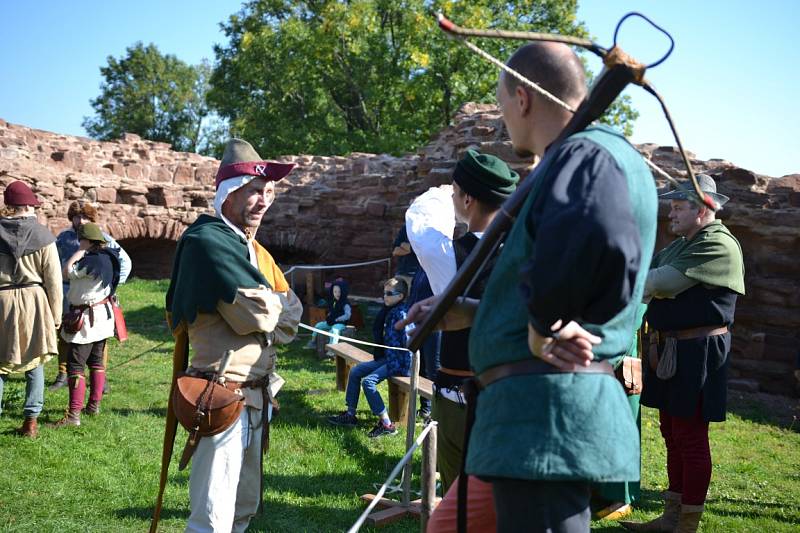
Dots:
{"x": 366, "y": 375}
{"x": 34, "y": 392}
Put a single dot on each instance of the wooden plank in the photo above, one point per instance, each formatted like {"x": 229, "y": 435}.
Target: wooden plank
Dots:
{"x": 424, "y": 385}
{"x": 349, "y": 352}
{"x": 387, "y": 516}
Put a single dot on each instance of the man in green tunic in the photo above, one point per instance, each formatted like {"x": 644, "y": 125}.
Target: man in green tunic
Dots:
{"x": 551, "y": 419}
{"x": 694, "y": 284}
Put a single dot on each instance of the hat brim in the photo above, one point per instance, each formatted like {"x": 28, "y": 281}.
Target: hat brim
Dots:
{"x": 719, "y": 199}
{"x": 269, "y": 170}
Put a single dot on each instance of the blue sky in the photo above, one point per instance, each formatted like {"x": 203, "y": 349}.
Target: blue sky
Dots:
{"x": 731, "y": 84}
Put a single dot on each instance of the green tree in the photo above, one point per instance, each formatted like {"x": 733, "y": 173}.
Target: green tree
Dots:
{"x": 153, "y": 95}
{"x": 333, "y": 76}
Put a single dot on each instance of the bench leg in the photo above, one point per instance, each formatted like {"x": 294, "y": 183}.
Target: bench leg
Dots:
{"x": 398, "y": 404}
{"x": 342, "y": 372}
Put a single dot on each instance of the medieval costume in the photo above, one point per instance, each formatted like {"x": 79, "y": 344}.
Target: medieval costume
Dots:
{"x": 228, "y": 294}
{"x": 581, "y": 245}
{"x": 686, "y": 379}
{"x": 93, "y": 273}
{"x": 30, "y": 300}
{"x": 67, "y": 243}
{"x": 430, "y": 222}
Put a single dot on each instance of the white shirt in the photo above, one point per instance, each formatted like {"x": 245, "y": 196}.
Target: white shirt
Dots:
{"x": 430, "y": 222}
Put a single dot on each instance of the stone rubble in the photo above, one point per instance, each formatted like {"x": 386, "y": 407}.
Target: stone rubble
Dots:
{"x": 336, "y": 209}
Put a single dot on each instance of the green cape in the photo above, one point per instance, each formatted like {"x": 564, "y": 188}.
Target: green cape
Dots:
{"x": 713, "y": 257}
{"x": 211, "y": 264}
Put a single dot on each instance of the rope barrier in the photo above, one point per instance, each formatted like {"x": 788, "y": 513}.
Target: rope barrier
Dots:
{"x": 407, "y": 457}
{"x": 331, "y": 267}
{"x": 348, "y": 339}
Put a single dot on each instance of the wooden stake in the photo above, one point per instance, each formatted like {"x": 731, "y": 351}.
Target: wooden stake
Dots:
{"x": 428, "y": 477}
{"x": 410, "y": 426}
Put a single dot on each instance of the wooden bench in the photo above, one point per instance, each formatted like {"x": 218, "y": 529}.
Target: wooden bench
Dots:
{"x": 348, "y": 356}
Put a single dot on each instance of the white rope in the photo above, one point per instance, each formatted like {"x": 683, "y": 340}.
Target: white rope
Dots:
{"x": 355, "y": 527}
{"x": 329, "y": 267}
{"x": 520, "y": 77}
{"x": 525, "y": 81}
{"x": 348, "y": 339}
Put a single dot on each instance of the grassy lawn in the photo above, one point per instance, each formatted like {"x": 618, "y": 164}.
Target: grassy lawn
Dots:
{"x": 103, "y": 475}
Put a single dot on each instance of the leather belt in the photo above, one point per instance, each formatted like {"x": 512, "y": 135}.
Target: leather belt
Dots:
{"x": 456, "y": 372}
{"x": 693, "y": 333}
{"x": 234, "y": 385}
{"x": 20, "y": 286}
{"x": 537, "y": 366}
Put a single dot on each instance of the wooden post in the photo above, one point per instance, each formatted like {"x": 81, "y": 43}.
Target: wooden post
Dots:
{"x": 310, "y": 288}
{"x": 410, "y": 426}
{"x": 342, "y": 373}
{"x": 428, "y": 476}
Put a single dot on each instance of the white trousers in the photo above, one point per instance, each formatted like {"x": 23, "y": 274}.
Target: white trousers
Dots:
{"x": 225, "y": 465}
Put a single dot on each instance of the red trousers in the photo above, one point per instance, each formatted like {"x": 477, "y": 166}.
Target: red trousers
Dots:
{"x": 688, "y": 455}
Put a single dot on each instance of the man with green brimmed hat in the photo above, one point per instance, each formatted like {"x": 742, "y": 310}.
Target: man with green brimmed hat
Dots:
{"x": 227, "y": 294}
{"x": 481, "y": 183}
{"x": 692, "y": 286}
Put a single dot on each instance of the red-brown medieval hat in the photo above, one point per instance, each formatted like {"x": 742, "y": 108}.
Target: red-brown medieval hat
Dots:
{"x": 18, "y": 194}
{"x": 241, "y": 159}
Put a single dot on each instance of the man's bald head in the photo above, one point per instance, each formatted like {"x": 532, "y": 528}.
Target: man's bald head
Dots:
{"x": 553, "y": 66}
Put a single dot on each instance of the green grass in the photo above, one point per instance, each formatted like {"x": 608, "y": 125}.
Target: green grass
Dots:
{"x": 103, "y": 475}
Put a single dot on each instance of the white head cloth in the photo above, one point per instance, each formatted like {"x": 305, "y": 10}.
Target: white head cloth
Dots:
{"x": 227, "y": 187}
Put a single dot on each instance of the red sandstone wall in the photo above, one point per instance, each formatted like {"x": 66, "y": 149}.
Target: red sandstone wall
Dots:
{"x": 345, "y": 209}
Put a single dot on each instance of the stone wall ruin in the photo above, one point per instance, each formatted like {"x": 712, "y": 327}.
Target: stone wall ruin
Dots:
{"x": 335, "y": 210}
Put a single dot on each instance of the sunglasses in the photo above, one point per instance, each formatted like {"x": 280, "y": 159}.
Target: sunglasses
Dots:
{"x": 392, "y": 293}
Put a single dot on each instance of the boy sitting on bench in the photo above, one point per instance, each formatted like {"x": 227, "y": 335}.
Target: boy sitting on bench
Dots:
{"x": 370, "y": 373}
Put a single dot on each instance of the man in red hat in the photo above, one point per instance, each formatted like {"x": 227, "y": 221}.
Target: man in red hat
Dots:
{"x": 228, "y": 294}
{"x": 30, "y": 298}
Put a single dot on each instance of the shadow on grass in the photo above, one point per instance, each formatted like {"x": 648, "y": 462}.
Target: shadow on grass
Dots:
{"x": 768, "y": 409}
{"x": 159, "y": 412}
{"x": 748, "y": 508}
{"x": 148, "y": 321}
{"x": 146, "y": 513}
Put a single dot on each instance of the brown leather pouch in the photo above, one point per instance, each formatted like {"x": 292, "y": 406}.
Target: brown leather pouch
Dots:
{"x": 72, "y": 321}
{"x": 629, "y": 374}
{"x": 204, "y": 408}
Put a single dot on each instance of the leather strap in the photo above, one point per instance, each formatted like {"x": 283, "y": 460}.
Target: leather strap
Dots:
{"x": 20, "y": 286}
{"x": 694, "y": 333}
{"x": 537, "y": 366}
{"x": 456, "y": 372}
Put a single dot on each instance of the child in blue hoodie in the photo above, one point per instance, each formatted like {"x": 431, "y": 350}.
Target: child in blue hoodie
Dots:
{"x": 367, "y": 375}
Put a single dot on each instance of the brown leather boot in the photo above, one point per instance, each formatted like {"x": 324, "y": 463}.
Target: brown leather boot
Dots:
{"x": 668, "y": 520}
{"x": 30, "y": 428}
{"x": 92, "y": 408}
{"x": 689, "y": 519}
{"x": 71, "y": 418}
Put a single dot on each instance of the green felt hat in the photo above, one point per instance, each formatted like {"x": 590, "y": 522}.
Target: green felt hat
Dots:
{"x": 91, "y": 232}
{"x": 485, "y": 177}
{"x": 707, "y": 185}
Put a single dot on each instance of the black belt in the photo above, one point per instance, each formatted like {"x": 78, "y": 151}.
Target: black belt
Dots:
{"x": 20, "y": 286}
{"x": 472, "y": 387}
{"x": 538, "y": 366}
